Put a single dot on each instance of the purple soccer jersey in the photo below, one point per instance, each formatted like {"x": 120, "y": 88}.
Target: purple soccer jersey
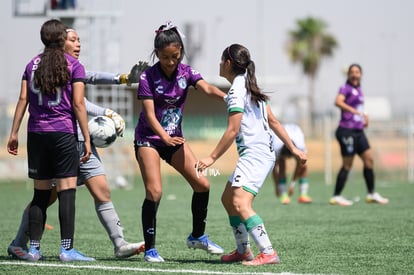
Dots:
{"x": 169, "y": 98}
{"x": 354, "y": 98}
{"x": 52, "y": 113}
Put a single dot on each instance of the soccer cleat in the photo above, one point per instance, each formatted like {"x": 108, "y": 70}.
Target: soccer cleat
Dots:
{"x": 153, "y": 256}
{"x": 34, "y": 254}
{"x": 235, "y": 256}
{"x": 129, "y": 249}
{"x": 284, "y": 199}
{"x": 73, "y": 255}
{"x": 204, "y": 243}
{"x": 18, "y": 252}
{"x": 339, "y": 200}
{"x": 304, "y": 199}
{"x": 376, "y": 198}
{"x": 263, "y": 259}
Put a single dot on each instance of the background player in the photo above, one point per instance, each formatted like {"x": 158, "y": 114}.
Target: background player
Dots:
{"x": 352, "y": 139}
{"x": 300, "y": 172}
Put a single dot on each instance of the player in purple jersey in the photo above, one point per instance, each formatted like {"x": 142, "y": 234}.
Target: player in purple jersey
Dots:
{"x": 352, "y": 139}
{"x": 163, "y": 90}
{"x": 53, "y": 88}
{"x": 91, "y": 173}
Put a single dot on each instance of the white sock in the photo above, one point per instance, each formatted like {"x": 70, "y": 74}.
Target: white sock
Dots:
{"x": 242, "y": 238}
{"x": 110, "y": 220}
{"x": 259, "y": 235}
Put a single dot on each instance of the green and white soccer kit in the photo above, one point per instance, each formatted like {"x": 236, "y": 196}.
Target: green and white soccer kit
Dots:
{"x": 254, "y": 140}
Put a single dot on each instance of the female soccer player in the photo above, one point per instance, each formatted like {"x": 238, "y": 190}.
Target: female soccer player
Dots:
{"x": 301, "y": 170}
{"x": 91, "y": 173}
{"x": 249, "y": 122}
{"x": 352, "y": 139}
{"x": 53, "y": 88}
{"x": 163, "y": 89}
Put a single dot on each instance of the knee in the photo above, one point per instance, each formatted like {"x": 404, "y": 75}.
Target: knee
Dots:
{"x": 154, "y": 194}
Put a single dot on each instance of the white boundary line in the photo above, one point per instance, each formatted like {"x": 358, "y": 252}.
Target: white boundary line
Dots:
{"x": 139, "y": 269}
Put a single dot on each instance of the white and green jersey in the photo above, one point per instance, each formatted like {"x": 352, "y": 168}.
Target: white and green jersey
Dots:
{"x": 254, "y": 135}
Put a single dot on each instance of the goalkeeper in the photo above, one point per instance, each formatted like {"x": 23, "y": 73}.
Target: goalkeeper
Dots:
{"x": 91, "y": 173}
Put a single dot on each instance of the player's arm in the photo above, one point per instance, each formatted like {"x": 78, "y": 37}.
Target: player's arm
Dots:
{"x": 23, "y": 101}
{"x": 78, "y": 105}
{"x": 105, "y": 78}
{"x": 233, "y": 126}
{"x": 209, "y": 89}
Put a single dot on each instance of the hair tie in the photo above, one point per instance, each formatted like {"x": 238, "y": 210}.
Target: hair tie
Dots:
{"x": 169, "y": 26}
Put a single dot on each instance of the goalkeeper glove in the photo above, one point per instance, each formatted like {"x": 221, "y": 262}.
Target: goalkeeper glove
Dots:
{"x": 118, "y": 121}
{"x": 133, "y": 75}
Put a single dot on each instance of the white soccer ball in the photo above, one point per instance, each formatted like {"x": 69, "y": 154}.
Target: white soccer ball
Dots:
{"x": 102, "y": 131}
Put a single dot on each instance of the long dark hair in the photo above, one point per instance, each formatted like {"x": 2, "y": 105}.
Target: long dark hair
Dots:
{"x": 168, "y": 34}
{"x": 52, "y": 71}
{"x": 241, "y": 63}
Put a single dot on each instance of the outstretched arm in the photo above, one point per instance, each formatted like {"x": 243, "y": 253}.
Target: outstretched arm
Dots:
{"x": 210, "y": 89}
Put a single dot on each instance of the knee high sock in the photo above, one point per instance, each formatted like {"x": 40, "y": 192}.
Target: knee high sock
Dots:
{"x": 369, "y": 179}
{"x": 199, "y": 204}
{"x": 67, "y": 217}
{"x": 110, "y": 220}
{"x": 257, "y": 231}
{"x": 340, "y": 181}
{"x": 37, "y": 215}
{"x": 22, "y": 235}
{"x": 240, "y": 234}
{"x": 281, "y": 185}
{"x": 149, "y": 222}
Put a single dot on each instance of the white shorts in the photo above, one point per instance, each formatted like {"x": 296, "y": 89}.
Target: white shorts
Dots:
{"x": 295, "y": 134}
{"x": 251, "y": 172}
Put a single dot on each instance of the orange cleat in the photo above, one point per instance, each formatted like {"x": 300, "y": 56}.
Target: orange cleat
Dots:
{"x": 263, "y": 259}
{"x": 235, "y": 256}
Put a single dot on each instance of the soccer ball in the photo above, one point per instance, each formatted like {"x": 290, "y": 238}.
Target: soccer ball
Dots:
{"x": 102, "y": 131}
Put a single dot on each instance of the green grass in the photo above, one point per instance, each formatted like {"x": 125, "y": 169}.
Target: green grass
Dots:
{"x": 310, "y": 239}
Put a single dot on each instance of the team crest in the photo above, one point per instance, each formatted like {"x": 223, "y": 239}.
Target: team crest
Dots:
{"x": 182, "y": 83}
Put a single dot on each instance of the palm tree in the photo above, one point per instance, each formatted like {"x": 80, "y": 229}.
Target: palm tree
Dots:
{"x": 308, "y": 43}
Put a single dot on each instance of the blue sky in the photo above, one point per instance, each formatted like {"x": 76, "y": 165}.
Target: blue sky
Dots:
{"x": 375, "y": 33}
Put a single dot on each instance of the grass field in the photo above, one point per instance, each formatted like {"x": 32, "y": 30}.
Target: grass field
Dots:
{"x": 310, "y": 239}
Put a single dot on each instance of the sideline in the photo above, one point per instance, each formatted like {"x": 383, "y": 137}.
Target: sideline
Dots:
{"x": 119, "y": 268}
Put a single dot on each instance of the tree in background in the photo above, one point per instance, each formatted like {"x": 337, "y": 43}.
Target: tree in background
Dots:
{"x": 308, "y": 44}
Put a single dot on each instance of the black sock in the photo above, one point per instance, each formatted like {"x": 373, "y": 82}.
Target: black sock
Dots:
{"x": 340, "y": 181}
{"x": 369, "y": 179}
{"x": 37, "y": 213}
{"x": 67, "y": 217}
{"x": 199, "y": 204}
{"x": 149, "y": 222}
